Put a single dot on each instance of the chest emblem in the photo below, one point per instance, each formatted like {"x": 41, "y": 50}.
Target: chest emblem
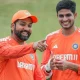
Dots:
{"x": 75, "y": 46}
{"x": 32, "y": 56}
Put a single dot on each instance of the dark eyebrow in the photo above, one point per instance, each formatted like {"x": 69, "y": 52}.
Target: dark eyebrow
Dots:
{"x": 31, "y": 23}
{"x": 67, "y": 15}
{"x": 25, "y": 22}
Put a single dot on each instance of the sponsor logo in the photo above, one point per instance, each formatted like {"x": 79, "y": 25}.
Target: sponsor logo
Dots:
{"x": 66, "y": 56}
{"x": 55, "y": 46}
{"x": 25, "y": 65}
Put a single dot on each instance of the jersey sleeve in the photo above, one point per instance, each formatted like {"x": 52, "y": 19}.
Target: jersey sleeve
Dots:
{"x": 8, "y": 51}
{"x": 38, "y": 73}
{"x": 46, "y": 56}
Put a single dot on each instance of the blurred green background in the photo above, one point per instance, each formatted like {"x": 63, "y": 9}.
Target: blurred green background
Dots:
{"x": 43, "y": 9}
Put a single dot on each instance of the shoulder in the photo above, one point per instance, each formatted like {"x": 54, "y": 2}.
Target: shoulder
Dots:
{"x": 52, "y": 34}
{"x": 77, "y": 34}
{"x": 4, "y": 39}
{"x": 4, "y": 42}
{"x": 78, "y": 30}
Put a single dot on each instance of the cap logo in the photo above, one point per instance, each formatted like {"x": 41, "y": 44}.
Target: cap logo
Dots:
{"x": 28, "y": 14}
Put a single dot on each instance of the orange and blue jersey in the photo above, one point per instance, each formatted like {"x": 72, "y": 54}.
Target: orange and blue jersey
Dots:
{"x": 18, "y": 62}
{"x": 66, "y": 48}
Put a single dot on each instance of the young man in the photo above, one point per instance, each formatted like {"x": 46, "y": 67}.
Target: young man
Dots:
{"x": 18, "y": 60}
{"x": 61, "y": 59}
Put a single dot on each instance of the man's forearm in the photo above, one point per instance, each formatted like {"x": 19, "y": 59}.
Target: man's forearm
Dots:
{"x": 73, "y": 66}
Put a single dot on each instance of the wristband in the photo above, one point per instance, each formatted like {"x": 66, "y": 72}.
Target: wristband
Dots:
{"x": 47, "y": 66}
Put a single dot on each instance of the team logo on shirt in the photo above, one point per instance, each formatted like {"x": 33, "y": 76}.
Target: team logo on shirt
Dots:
{"x": 75, "y": 46}
{"x": 32, "y": 56}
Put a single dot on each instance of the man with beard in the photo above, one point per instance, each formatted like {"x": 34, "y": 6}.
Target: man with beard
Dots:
{"x": 18, "y": 60}
{"x": 61, "y": 59}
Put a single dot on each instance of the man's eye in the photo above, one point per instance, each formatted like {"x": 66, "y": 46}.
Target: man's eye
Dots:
{"x": 61, "y": 16}
{"x": 30, "y": 25}
{"x": 68, "y": 15}
{"x": 22, "y": 24}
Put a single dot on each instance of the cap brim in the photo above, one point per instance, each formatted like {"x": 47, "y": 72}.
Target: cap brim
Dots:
{"x": 34, "y": 18}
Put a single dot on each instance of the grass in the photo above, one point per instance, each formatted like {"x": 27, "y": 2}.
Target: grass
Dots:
{"x": 43, "y": 9}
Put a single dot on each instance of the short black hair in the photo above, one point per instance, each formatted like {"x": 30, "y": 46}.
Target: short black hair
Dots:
{"x": 66, "y": 4}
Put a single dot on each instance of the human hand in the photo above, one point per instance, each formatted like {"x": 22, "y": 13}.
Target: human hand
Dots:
{"x": 52, "y": 64}
{"x": 40, "y": 45}
{"x": 59, "y": 64}
{"x": 62, "y": 64}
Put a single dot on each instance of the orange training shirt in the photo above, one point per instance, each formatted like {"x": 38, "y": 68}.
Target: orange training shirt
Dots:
{"x": 15, "y": 66}
{"x": 63, "y": 47}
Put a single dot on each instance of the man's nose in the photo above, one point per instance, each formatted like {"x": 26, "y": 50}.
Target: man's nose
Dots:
{"x": 26, "y": 28}
{"x": 65, "y": 18}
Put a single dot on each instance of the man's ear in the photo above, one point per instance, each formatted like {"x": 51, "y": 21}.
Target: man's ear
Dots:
{"x": 12, "y": 26}
{"x": 75, "y": 15}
